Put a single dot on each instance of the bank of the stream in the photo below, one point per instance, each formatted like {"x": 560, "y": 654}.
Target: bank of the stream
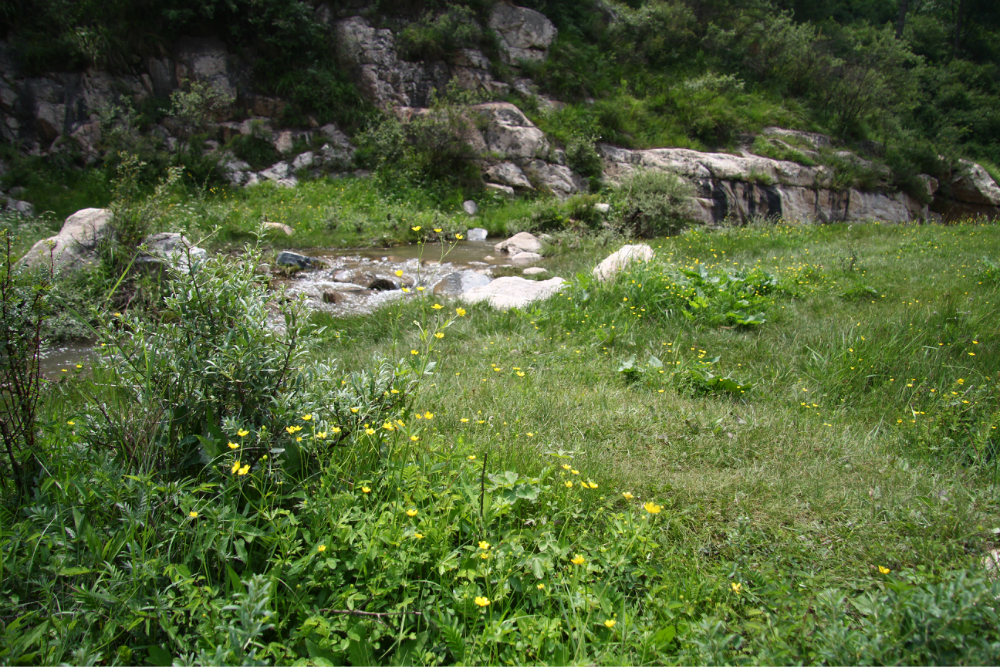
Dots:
{"x": 621, "y": 474}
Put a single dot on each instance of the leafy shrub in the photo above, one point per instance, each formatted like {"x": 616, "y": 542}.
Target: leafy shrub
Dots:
{"x": 654, "y": 203}
{"x": 23, "y": 309}
{"x": 196, "y": 104}
{"x": 779, "y": 150}
{"x": 437, "y": 35}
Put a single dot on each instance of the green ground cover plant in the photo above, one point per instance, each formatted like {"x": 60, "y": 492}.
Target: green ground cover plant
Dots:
{"x": 626, "y": 473}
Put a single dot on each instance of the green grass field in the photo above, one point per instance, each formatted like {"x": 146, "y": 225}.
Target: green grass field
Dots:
{"x": 772, "y": 444}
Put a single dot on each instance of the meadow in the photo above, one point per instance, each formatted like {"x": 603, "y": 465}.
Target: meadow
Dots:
{"x": 774, "y": 443}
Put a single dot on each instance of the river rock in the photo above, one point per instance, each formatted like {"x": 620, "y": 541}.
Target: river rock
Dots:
{"x": 22, "y": 207}
{"x": 503, "y": 190}
{"x": 524, "y": 34}
{"x": 333, "y": 296}
{"x": 75, "y": 246}
{"x": 279, "y": 227}
{"x": 460, "y": 282}
{"x": 168, "y": 250}
{"x": 520, "y": 242}
{"x": 476, "y": 234}
{"x": 509, "y": 174}
{"x": 618, "y": 260}
{"x": 470, "y": 207}
{"x": 277, "y": 171}
{"x": 602, "y": 208}
{"x": 534, "y": 271}
{"x": 513, "y": 292}
{"x": 526, "y": 258}
{"x": 304, "y": 161}
{"x": 289, "y": 258}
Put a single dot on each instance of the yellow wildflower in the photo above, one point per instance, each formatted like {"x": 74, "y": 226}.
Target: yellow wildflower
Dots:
{"x": 418, "y": 536}
{"x": 321, "y": 435}
{"x": 884, "y": 570}
{"x": 399, "y": 273}
{"x": 428, "y": 415}
{"x": 736, "y": 586}
{"x": 306, "y": 418}
{"x": 411, "y": 513}
{"x": 370, "y": 431}
{"x": 610, "y": 623}
{"x": 233, "y": 445}
{"x": 414, "y": 438}
{"x": 578, "y": 560}
{"x": 437, "y": 306}
{"x": 243, "y": 433}
{"x": 482, "y": 602}
{"x": 321, "y": 548}
{"x": 244, "y": 470}
{"x": 236, "y": 467}
{"x": 484, "y": 545}
{"x": 569, "y": 484}
{"x": 460, "y": 312}
{"x": 652, "y": 508}
{"x": 193, "y": 514}
{"x": 365, "y": 489}
{"x": 628, "y": 496}
{"x": 439, "y": 335}
{"x": 416, "y": 229}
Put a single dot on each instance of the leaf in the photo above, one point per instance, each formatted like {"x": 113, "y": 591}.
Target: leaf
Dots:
{"x": 73, "y": 571}
{"x": 158, "y": 655}
{"x": 454, "y": 640}
{"x": 665, "y": 635}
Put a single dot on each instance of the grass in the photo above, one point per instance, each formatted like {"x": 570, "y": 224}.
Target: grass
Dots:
{"x": 774, "y": 443}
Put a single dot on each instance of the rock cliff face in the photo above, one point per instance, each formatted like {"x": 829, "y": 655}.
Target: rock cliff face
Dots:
{"x": 749, "y": 186}
{"x": 62, "y": 111}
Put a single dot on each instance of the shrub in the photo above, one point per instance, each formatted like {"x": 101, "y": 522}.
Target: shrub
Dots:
{"x": 654, "y": 203}
{"x": 23, "y": 310}
{"x": 436, "y": 36}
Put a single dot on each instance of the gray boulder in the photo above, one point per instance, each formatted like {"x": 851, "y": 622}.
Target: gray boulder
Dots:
{"x": 476, "y": 234}
{"x": 520, "y": 242}
{"x": 618, "y": 260}
{"x": 168, "y": 250}
{"x": 460, "y": 282}
{"x": 524, "y": 34}
{"x": 277, "y": 171}
{"x": 470, "y": 207}
{"x": 509, "y": 174}
{"x": 513, "y": 292}
{"x": 289, "y": 258}
{"x": 523, "y": 258}
{"x": 75, "y": 246}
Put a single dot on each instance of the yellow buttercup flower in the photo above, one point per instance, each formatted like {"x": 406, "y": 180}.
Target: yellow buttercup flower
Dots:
{"x": 418, "y": 536}
{"x": 243, "y": 433}
{"x": 370, "y": 431}
{"x": 236, "y": 467}
{"x": 321, "y": 548}
{"x": 484, "y": 545}
{"x": 335, "y": 430}
{"x": 414, "y": 352}
{"x": 569, "y": 484}
{"x": 193, "y": 514}
{"x": 884, "y": 570}
{"x": 736, "y": 586}
{"x": 567, "y": 467}
{"x": 414, "y": 438}
{"x": 321, "y": 435}
{"x": 416, "y": 229}
{"x": 306, "y": 418}
{"x": 399, "y": 274}
{"x": 439, "y": 335}
{"x": 354, "y": 410}
{"x": 472, "y": 457}
{"x": 233, "y": 445}
{"x": 652, "y": 508}
{"x": 484, "y": 555}
{"x": 438, "y": 231}
{"x": 482, "y": 602}
{"x": 578, "y": 560}
{"x": 460, "y": 312}
{"x": 540, "y": 587}
{"x": 628, "y": 496}
{"x": 411, "y": 513}
{"x": 459, "y": 237}
{"x": 428, "y": 415}
{"x": 244, "y": 470}
{"x": 437, "y": 306}
{"x": 292, "y": 430}
{"x": 610, "y": 623}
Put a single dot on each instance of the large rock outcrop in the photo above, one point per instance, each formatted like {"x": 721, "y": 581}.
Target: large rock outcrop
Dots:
{"x": 969, "y": 192}
{"x": 513, "y": 292}
{"x": 749, "y": 186}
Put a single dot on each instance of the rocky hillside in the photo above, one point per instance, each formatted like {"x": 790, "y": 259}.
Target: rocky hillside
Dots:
{"x": 211, "y": 98}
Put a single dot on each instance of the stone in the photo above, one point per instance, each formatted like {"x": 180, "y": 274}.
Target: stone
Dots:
{"x": 279, "y": 227}
{"x": 520, "y": 242}
{"x": 557, "y": 179}
{"x": 289, "y": 182}
{"x": 508, "y": 133}
{"x": 618, "y": 260}
{"x": 500, "y": 190}
{"x": 526, "y": 258}
{"x": 304, "y": 161}
{"x": 383, "y": 284}
{"x": 460, "y": 282}
{"x": 508, "y": 173}
{"x": 333, "y": 296}
{"x": 289, "y": 258}
{"x": 513, "y": 292}
{"x": 524, "y": 34}
{"x": 284, "y": 141}
{"x": 476, "y": 234}
{"x": 470, "y": 207}
{"x": 343, "y": 276}
{"x": 75, "y": 246}
{"x": 973, "y": 184}
{"x": 168, "y": 250}
{"x": 534, "y": 271}
{"x": 602, "y": 208}
{"x": 277, "y": 171}
{"x": 22, "y": 207}
{"x": 205, "y": 59}
{"x": 814, "y": 139}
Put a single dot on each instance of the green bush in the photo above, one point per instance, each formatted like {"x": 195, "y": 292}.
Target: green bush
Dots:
{"x": 652, "y": 203}
{"x": 438, "y": 35}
